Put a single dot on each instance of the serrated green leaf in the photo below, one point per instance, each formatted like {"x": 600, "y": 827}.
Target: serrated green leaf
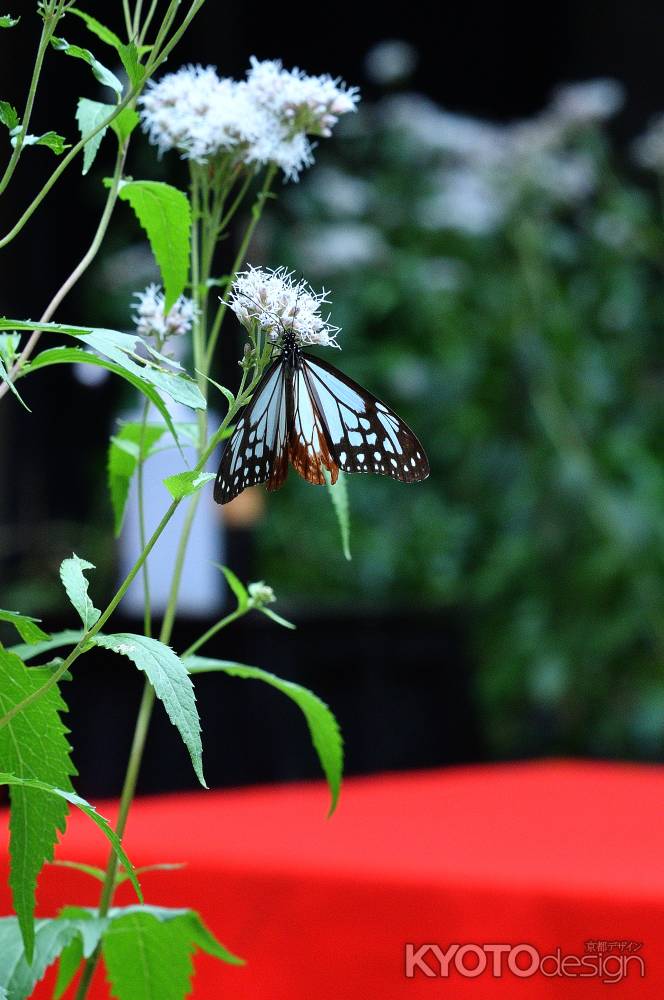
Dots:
{"x": 56, "y": 143}
{"x": 147, "y": 951}
{"x": 323, "y": 726}
{"x": 90, "y": 114}
{"x": 76, "y": 585}
{"x": 121, "y": 349}
{"x": 164, "y": 213}
{"x": 339, "y": 497}
{"x": 73, "y": 799}
{"x": 26, "y": 626}
{"x": 185, "y": 484}
{"x": 123, "y": 456}
{"x": 17, "y": 976}
{"x": 9, "y": 115}
{"x": 125, "y": 123}
{"x": 129, "y": 56}
{"x": 97, "y": 28}
{"x": 4, "y": 376}
{"x": 100, "y": 72}
{"x": 237, "y": 587}
{"x": 67, "y": 638}
{"x": 9, "y": 347}
{"x": 6, "y": 21}
{"x": 76, "y": 355}
{"x": 33, "y": 745}
{"x": 171, "y": 682}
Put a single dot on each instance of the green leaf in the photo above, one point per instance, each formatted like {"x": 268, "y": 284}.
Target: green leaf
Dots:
{"x": 90, "y": 114}
{"x": 76, "y": 585}
{"x": 26, "y": 627}
{"x": 147, "y": 952}
{"x": 164, "y": 213}
{"x": 100, "y": 72}
{"x": 73, "y": 799}
{"x": 71, "y": 957}
{"x": 323, "y": 726}
{"x": 171, "y": 682}
{"x": 129, "y": 54}
{"x": 75, "y": 355}
{"x": 9, "y": 115}
{"x": 96, "y": 873}
{"x": 184, "y": 484}
{"x": 33, "y": 745}
{"x": 277, "y": 618}
{"x": 339, "y": 497}
{"x": 125, "y": 123}
{"x": 67, "y": 638}
{"x": 238, "y": 588}
{"x": 56, "y": 143}
{"x": 130, "y": 60}
{"x": 17, "y": 976}
{"x": 97, "y": 28}
{"x": 121, "y": 349}
{"x": 4, "y": 376}
{"x": 6, "y": 21}
{"x": 122, "y": 463}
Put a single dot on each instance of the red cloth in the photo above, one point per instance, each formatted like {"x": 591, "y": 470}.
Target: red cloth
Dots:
{"x": 552, "y": 854}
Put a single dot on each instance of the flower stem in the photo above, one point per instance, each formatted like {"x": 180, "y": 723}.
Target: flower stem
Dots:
{"x": 147, "y": 604}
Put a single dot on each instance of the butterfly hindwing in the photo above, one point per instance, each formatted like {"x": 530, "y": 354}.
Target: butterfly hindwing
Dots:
{"x": 257, "y": 451}
{"x": 308, "y": 447}
{"x": 364, "y": 435}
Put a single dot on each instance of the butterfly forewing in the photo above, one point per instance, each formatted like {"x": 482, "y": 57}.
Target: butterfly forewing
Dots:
{"x": 364, "y": 434}
{"x": 257, "y": 451}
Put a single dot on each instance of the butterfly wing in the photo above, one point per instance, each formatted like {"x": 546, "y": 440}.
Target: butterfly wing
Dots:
{"x": 308, "y": 446}
{"x": 257, "y": 451}
{"x": 363, "y": 434}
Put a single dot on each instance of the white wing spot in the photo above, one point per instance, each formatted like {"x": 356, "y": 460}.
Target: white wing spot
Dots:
{"x": 360, "y": 457}
{"x": 379, "y": 406}
{"x": 355, "y": 438}
{"x": 365, "y": 423}
{"x": 377, "y": 456}
{"x": 394, "y": 462}
{"x": 342, "y": 457}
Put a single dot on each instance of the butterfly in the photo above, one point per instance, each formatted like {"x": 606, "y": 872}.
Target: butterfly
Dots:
{"x": 306, "y": 412}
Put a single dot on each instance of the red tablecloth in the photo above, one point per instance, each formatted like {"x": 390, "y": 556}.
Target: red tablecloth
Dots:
{"x": 554, "y": 855}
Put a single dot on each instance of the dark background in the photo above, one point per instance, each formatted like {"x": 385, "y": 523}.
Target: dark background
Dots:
{"x": 400, "y": 684}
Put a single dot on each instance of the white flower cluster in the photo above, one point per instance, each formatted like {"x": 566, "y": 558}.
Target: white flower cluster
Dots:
{"x": 275, "y": 301}
{"x": 151, "y": 321}
{"x": 261, "y": 594}
{"x": 485, "y": 169}
{"x": 266, "y": 118}
{"x": 648, "y": 149}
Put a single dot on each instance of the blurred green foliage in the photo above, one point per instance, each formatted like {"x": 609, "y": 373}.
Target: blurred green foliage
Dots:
{"x": 501, "y": 287}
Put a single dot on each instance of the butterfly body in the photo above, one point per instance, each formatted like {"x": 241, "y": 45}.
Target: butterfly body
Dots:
{"x": 306, "y": 412}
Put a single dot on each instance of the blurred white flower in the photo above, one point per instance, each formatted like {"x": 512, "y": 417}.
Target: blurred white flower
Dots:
{"x": 277, "y": 303}
{"x": 441, "y": 274}
{"x": 437, "y": 130}
{"x": 467, "y": 200}
{"x": 648, "y": 149}
{"x": 390, "y": 61}
{"x": 340, "y": 192}
{"x": 263, "y": 119}
{"x": 151, "y": 321}
{"x": 589, "y": 102}
{"x": 341, "y": 247}
{"x": 614, "y": 229}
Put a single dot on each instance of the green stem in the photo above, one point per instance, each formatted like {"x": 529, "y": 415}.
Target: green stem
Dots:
{"x": 212, "y": 631}
{"x": 147, "y": 604}
{"x": 48, "y": 27}
{"x": 147, "y": 22}
{"x": 171, "y": 607}
{"x": 256, "y": 212}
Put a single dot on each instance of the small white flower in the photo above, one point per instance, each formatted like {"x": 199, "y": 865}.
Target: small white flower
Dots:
{"x": 277, "y": 303}
{"x": 261, "y": 594}
{"x": 308, "y": 104}
{"x": 588, "y": 102}
{"x": 341, "y": 247}
{"x": 152, "y": 322}
{"x": 648, "y": 149}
